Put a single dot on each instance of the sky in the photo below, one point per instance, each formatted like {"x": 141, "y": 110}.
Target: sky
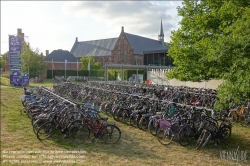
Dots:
{"x": 52, "y": 25}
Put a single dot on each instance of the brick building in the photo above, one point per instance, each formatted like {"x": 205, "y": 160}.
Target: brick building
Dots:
{"x": 126, "y": 49}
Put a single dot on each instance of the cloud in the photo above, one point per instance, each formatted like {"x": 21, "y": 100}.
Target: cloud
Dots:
{"x": 137, "y": 17}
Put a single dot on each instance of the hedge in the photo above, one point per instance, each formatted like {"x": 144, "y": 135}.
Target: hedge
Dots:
{"x": 112, "y": 73}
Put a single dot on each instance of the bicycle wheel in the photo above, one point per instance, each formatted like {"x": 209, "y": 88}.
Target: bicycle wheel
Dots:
{"x": 110, "y": 134}
{"x": 38, "y": 123}
{"x": 165, "y": 135}
{"x": 186, "y": 135}
{"x": 225, "y": 133}
{"x": 114, "y": 114}
{"x": 46, "y": 130}
{"x": 202, "y": 138}
{"x": 23, "y": 111}
{"x": 78, "y": 132}
{"x": 144, "y": 123}
{"x": 119, "y": 115}
{"x": 126, "y": 118}
{"x": 132, "y": 120}
{"x": 108, "y": 109}
{"x": 153, "y": 130}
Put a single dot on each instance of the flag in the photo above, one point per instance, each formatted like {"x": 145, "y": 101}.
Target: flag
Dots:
{"x": 89, "y": 65}
{"x": 66, "y": 63}
{"x": 53, "y": 67}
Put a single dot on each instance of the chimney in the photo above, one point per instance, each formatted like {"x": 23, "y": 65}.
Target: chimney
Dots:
{"x": 47, "y": 52}
{"x": 22, "y": 37}
{"x": 122, "y": 29}
{"x": 19, "y": 32}
{"x": 76, "y": 39}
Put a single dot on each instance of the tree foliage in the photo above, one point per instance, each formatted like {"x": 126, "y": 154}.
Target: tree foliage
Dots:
{"x": 93, "y": 64}
{"x": 3, "y": 59}
{"x": 213, "y": 42}
{"x": 32, "y": 61}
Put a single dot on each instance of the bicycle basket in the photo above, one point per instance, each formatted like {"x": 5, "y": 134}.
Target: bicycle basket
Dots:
{"x": 164, "y": 124}
{"x": 210, "y": 126}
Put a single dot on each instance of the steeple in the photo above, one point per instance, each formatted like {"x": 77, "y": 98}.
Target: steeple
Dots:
{"x": 161, "y": 35}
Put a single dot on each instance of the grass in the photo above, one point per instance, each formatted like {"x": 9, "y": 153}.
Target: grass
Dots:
{"x": 4, "y": 81}
{"x": 136, "y": 147}
{"x": 46, "y": 82}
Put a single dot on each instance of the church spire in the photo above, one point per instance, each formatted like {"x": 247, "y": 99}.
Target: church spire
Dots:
{"x": 161, "y": 35}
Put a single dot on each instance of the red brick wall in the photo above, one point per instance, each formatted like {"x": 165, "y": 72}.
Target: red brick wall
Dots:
{"x": 123, "y": 45}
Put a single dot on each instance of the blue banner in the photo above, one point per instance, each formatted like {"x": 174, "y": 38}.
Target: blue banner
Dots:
{"x": 15, "y": 49}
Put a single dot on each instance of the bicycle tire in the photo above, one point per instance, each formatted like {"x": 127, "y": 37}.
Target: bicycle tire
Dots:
{"x": 108, "y": 132}
{"x": 153, "y": 130}
{"x": 143, "y": 123}
{"x": 78, "y": 132}
{"x": 132, "y": 120}
{"x": 108, "y": 110}
{"x": 186, "y": 135}
{"x": 119, "y": 115}
{"x": 38, "y": 124}
{"x": 165, "y": 136}
{"x": 47, "y": 129}
{"x": 114, "y": 114}
{"x": 225, "y": 134}
{"x": 126, "y": 118}
{"x": 137, "y": 122}
{"x": 23, "y": 111}
{"x": 202, "y": 138}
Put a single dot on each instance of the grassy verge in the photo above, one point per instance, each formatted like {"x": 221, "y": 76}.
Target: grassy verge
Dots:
{"x": 136, "y": 147}
{"x": 4, "y": 81}
{"x": 46, "y": 82}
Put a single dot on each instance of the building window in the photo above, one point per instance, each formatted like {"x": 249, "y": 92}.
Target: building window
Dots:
{"x": 119, "y": 56}
{"x": 125, "y": 56}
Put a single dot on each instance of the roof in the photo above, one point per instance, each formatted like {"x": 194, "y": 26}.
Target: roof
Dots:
{"x": 60, "y": 56}
{"x": 102, "y": 47}
{"x": 142, "y": 44}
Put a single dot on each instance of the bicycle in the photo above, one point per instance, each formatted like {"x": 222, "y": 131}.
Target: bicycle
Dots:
{"x": 108, "y": 133}
{"x": 212, "y": 131}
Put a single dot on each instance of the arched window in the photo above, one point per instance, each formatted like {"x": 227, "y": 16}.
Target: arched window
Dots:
{"x": 125, "y": 56}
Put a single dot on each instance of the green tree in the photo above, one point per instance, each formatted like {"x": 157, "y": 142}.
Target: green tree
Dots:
{"x": 213, "y": 42}
{"x": 3, "y": 59}
{"x": 93, "y": 64}
{"x": 32, "y": 61}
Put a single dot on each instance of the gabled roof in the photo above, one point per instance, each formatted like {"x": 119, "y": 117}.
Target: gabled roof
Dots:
{"x": 140, "y": 44}
{"x": 60, "y": 56}
{"x": 102, "y": 47}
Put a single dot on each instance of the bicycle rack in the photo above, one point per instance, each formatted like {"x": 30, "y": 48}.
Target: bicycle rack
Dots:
{"x": 45, "y": 89}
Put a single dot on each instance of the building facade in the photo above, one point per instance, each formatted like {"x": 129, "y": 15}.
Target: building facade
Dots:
{"x": 126, "y": 49}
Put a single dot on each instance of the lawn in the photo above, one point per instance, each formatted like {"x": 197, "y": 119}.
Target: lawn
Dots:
{"x": 136, "y": 147}
{"x": 45, "y": 83}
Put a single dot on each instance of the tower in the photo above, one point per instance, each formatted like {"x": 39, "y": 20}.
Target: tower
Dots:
{"x": 161, "y": 35}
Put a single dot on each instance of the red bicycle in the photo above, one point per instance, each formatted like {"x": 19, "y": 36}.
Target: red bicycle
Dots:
{"x": 80, "y": 130}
